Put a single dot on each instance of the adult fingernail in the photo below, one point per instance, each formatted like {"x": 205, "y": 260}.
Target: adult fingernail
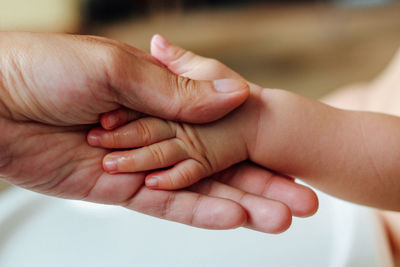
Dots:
{"x": 94, "y": 140}
{"x": 110, "y": 164}
{"x": 152, "y": 182}
{"x": 229, "y": 85}
{"x": 160, "y": 41}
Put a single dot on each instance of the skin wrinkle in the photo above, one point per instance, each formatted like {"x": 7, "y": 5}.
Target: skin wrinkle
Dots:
{"x": 267, "y": 185}
{"x": 12, "y": 81}
{"x": 198, "y": 146}
{"x": 53, "y": 170}
{"x": 20, "y": 80}
{"x": 207, "y": 186}
{"x": 116, "y": 76}
{"x": 76, "y": 194}
{"x": 130, "y": 200}
{"x": 195, "y": 209}
{"x": 369, "y": 156}
{"x": 182, "y": 173}
{"x": 41, "y": 151}
{"x": 158, "y": 154}
{"x": 166, "y": 207}
{"x": 65, "y": 176}
{"x": 93, "y": 94}
{"x": 95, "y": 182}
{"x": 257, "y": 134}
{"x": 178, "y": 55}
{"x": 242, "y": 196}
{"x": 17, "y": 171}
{"x": 110, "y": 88}
{"x": 124, "y": 202}
{"x": 53, "y": 183}
{"x": 93, "y": 86}
{"x": 144, "y": 132}
{"x": 177, "y": 62}
{"x": 185, "y": 93}
{"x": 4, "y": 109}
{"x": 33, "y": 108}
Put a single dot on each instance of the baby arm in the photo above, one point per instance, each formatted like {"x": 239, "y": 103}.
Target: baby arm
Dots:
{"x": 352, "y": 155}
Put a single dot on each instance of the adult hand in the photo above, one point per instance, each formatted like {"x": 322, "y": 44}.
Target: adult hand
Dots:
{"x": 53, "y": 86}
{"x": 270, "y": 200}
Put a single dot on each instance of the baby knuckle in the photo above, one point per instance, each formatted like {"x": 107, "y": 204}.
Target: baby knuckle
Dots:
{"x": 158, "y": 154}
{"x": 196, "y": 147}
{"x": 183, "y": 177}
{"x": 176, "y": 56}
{"x": 109, "y": 139}
{"x": 144, "y": 132}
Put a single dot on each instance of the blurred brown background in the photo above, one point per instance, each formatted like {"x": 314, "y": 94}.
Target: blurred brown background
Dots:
{"x": 310, "y": 47}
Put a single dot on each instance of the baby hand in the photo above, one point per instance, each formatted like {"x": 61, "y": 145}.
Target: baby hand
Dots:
{"x": 176, "y": 154}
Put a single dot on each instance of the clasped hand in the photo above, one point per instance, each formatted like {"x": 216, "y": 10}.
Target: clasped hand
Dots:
{"x": 54, "y": 88}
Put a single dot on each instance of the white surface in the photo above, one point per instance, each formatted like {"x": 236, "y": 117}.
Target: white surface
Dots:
{"x": 41, "y": 231}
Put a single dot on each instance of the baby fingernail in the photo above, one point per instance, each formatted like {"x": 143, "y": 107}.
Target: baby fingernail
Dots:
{"x": 160, "y": 41}
{"x": 152, "y": 182}
{"x": 112, "y": 120}
{"x": 229, "y": 85}
{"x": 94, "y": 140}
{"x": 110, "y": 164}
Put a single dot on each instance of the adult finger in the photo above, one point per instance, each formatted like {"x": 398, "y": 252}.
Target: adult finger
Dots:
{"x": 188, "y": 208}
{"x": 148, "y": 88}
{"x": 185, "y": 207}
{"x": 188, "y": 64}
{"x": 250, "y": 178}
{"x": 264, "y": 215}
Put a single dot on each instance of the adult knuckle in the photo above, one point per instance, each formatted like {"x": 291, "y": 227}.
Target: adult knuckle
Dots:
{"x": 186, "y": 89}
{"x": 113, "y": 138}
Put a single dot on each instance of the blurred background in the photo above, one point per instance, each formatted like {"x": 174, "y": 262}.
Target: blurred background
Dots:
{"x": 310, "y": 47}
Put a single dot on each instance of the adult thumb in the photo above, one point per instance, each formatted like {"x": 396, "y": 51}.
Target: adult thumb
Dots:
{"x": 146, "y": 87}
